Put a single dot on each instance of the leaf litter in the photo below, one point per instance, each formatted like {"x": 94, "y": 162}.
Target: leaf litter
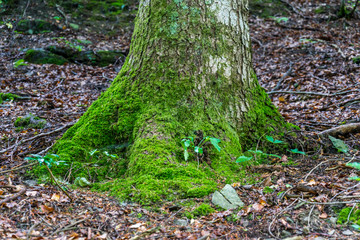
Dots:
{"x": 305, "y": 64}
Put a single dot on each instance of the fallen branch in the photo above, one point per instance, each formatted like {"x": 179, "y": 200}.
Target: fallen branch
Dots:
{"x": 18, "y": 168}
{"x": 308, "y": 93}
{"x": 342, "y": 130}
{"x": 69, "y": 226}
{"x": 288, "y": 72}
{"x": 38, "y": 136}
{"x": 13, "y": 196}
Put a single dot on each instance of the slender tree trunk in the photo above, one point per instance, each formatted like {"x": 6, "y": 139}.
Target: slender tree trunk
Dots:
{"x": 188, "y": 73}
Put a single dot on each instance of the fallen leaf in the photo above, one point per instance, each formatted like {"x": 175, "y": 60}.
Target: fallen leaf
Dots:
{"x": 257, "y": 207}
{"x": 323, "y": 215}
{"x": 137, "y": 225}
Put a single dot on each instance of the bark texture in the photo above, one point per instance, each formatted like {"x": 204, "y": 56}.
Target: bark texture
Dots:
{"x": 188, "y": 73}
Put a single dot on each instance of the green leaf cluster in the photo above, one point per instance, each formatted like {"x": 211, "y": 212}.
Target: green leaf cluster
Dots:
{"x": 49, "y": 159}
{"x": 198, "y": 149}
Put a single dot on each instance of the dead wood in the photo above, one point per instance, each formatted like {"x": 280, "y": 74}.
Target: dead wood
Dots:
{"x": 342, "y": 130}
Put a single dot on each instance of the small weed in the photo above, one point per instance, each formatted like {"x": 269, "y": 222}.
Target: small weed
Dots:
{"x": 198, "y": 149}
{"x": 20, "y": 62}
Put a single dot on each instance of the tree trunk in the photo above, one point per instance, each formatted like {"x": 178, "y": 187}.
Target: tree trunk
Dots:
{"x": 188, "y": 73}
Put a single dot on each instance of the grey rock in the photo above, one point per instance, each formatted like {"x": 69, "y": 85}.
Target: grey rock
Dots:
{"x": 181, "y": 222}
{"x": 294, "y": 238}
{"x": 30, "y": 183}
{"x": 347, "y": 232}
{"x": 319, "y": 238}
{"x": 227, "y": 198}
{"x": 230, "y": 193}
{"x": 333, "y": 220}
{"x": 286, "y": 234}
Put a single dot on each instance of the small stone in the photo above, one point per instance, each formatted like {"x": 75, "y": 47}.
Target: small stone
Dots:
{"x": 30, "y": 183}
{"x": 319, "y": 238}
{"x": 286, "y": 234}
{"x": 333, "y": 220}
{"x": 181, "y": 222}
{"x": 294, "y": 238}
{"x": 347, "y": 232}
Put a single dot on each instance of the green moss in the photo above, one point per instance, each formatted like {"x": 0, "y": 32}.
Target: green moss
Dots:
{"x": 356, "y": 60}
{"x": 44, "y": 57}
{"x": 29, "y": 121}
{"x": 344, "y": 214}
{"x": 8, "y": 97}
{"x": 203, "y": 210}
{"x": 268, "y": 8}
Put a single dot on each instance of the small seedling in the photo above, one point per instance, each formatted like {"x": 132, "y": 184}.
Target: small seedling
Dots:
{"x": 48, "y": 160}
{"x": 20, "y": 62}
{"x": 198, "y": 149}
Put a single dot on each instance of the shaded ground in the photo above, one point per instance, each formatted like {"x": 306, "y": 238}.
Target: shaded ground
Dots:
{"x": 317, "y": 51}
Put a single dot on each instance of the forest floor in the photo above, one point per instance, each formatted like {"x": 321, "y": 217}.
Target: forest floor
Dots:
{"x": 305, "y": 53}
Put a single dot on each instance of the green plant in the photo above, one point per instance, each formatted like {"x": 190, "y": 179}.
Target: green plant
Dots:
{"x": 280, "y": 19}
{"x": 268, "y": 189}
{"x": 258, "y": 154}
{"x": 198, "y": 149}
{"x": 20, "y": 62}
{"x": 79, "y": 48}
{"x": 48, "y": 160}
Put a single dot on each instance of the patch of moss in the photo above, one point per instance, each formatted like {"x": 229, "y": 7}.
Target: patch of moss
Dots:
{"x": 8, "y": 97}
{"x": 35, "y": 26}
{"x": 44, "y": 57}
{"x": 203, "y": 210}
{"x": 268, "y": 8}
{"x": 344, "y": 214}
{"x": 356, "y": 60}
{"x": 29, "y": 121}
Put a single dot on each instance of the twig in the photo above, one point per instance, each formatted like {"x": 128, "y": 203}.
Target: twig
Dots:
{"x": 311, "y": 210}
{"x": 28, "y": 235}
{"x": 288, "y": 72}
{"x": 13, "y": 196}
{"x": 57, "y": 184}
{"x": 307, "y": 175}
{"x": 38, "y": 136}
{"x": 69, "y": 226}
{"x": 328, "y": 203}
{"x": 62, "y": 13}
{"x": 307, "y": 93}
{"x": 18, "y": 168}
{"x": 272, "y": 222}
{"x": 348, "y": 218}
{"x": 353, "y": 10}
{"x": 27, "y": 5}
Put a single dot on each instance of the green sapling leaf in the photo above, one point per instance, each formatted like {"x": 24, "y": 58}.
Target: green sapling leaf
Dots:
{"x": 243, "y": 159}
{"x": 355, "y": 165}
{"x": 271, "y": 139}
{"x": 297, "y": 151}
{"x": 339, "y": 145}
{"x": 215, "y": 142}
{"x": 186, "y": 154}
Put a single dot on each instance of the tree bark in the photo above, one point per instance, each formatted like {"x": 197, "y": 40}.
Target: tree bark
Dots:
{"x": 188, "y": 73}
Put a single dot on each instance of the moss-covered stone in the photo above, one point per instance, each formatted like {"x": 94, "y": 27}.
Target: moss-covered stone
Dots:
{"x": 8, "y": 97}
{"x": 356, "y": 60}
{"x": 268, "y": 8}
{"x": 35, "y": 26}
{"x": 99, "y": 58}
{"x": 44, "y": 57}
{"x": 29, "y": 121}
